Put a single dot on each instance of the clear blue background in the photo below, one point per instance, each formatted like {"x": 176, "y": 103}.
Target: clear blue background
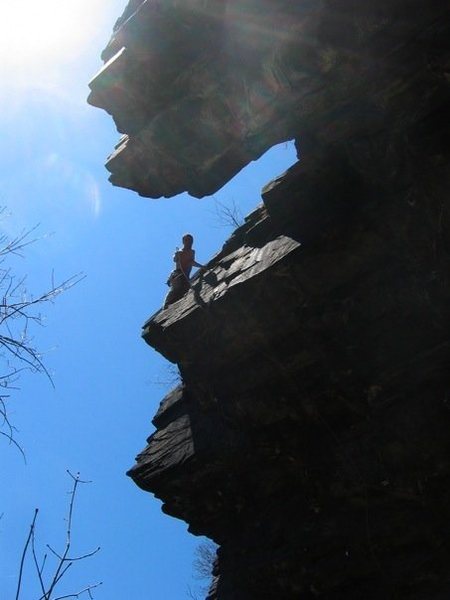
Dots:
{"x": 108, "y": 383}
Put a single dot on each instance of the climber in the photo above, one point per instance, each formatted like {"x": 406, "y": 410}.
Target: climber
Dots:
{"x": 184, "y": 260}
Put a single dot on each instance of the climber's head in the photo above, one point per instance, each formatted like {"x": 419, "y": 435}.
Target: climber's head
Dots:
{"x": 188, "y": 240}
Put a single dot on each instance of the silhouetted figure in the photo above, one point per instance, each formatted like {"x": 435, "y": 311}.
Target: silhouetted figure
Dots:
{"x": 184, "y": 260}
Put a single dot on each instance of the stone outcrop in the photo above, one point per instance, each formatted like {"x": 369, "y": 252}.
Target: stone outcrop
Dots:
{"x": 309, "y": 436}
{"x": 196, "y": 86}
{"x": 200, "y": 88}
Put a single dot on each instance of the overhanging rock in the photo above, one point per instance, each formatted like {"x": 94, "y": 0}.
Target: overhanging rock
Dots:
{"x": 202, "y": 87}
{"x": 196, "y": 87}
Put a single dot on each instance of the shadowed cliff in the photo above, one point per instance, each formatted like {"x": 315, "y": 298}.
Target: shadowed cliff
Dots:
{"x": 309, "y": 436}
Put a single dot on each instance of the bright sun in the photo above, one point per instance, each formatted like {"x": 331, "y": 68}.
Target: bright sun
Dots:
{"x": 40, "y": 32}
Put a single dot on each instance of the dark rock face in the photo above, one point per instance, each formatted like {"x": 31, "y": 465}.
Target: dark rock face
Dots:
{"x": 309, "y": 437}
{"x": 196, "y": 87}
{"x": 202, "y": 87}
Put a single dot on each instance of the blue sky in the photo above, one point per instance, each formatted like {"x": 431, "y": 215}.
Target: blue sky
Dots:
{"x": 108, "y": 383}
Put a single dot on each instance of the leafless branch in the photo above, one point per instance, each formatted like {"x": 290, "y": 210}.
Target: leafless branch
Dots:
{"x": 64, "y": 562}
{"x": 169, "y": 378}
{"x": 205, "y": 555}
{"x": 67, "y": 558}
{"x": 191, "y": 594}
{"x": 24, "y": 553}
{"x": 84, "y": 591}
{"x": 18, "y": 311}
{"x": 12, "y": 441}
{"x": 17, "y": 244}
{"x": 39, "y": 569}
{"x": 228, "y": 215}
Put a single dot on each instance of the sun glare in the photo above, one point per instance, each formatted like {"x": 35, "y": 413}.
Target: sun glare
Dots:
{"x": 37, "y": 34}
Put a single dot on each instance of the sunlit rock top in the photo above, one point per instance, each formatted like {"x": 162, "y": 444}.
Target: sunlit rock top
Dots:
{"x": 196, "y": 87}
{"x": 200, "y": 88}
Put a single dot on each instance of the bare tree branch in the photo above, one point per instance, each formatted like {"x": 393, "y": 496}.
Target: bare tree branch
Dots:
{"x": 64, "y": 562}
{"x": 24, "y": 553}
{"x": 191, "y": 594}
{"x": 87, "y": 555}
{"x": 14, "y": 443}
{"x": 205, "y": 555}
{"x": 78, "y": 594}
{"x": 228, "y": 215}
{"x": 39, "y": 569}
{"x": 18, "y": 311}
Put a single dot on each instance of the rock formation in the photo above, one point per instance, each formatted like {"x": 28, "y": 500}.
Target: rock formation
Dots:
{"x": 309, "y": 437}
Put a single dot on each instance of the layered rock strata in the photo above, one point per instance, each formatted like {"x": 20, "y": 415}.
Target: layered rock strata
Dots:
{"x": 200, "y": 88}
{"x": 309, "y": 436}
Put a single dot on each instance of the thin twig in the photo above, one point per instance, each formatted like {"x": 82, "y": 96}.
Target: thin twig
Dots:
{"x": 76, "y": 557}
{"x": 14, "y": 443}
{"x": 228, "y": 215}
{"x": 65, "y": 562}
{"x": 78, "y": 594}
{"x": 62, "y": 560}
{"x": 24, "y": 553}
{"x": 39, "y": 570}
